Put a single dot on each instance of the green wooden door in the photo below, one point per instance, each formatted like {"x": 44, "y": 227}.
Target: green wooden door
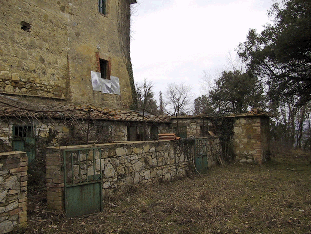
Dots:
{"x": 83, "y": 181}
{"x": 83, "y": 199}
{"x": 200, "y": 159}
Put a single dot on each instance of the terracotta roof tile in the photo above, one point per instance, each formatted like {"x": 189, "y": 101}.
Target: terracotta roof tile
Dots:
{"x": 10, "y": 107}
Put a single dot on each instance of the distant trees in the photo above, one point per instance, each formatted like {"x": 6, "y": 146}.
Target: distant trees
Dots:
{"x": 145, "y": 98}
{"x": 281, "y": 57}
{"x": 203, "y": 105}
{"x": 178, "y": 98}
{"x": 233, "y": 92}
{"x": 236, "y": 92}
{"x": 281, "y": 53}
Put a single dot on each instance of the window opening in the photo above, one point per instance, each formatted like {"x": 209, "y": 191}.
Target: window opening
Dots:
{"x": 102, "y": 6}
{"x": 104, "y": 69}
{"x": 23, "y": 131}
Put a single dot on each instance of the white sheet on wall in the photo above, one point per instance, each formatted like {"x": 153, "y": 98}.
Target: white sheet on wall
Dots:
{"x": 111, "y": 86}
{"x": 115, "y": 85}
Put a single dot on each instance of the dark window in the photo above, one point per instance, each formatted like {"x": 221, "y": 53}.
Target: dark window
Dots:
{"x": 102, "y": 6}
{"x": 22, "y": 131}
{"x": 104, "y": 69}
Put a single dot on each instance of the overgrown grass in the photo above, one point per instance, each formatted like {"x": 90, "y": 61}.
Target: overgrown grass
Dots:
{"x": 271, "y": 198}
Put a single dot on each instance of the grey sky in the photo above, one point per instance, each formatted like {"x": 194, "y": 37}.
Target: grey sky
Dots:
{"x": 179, "y": 41}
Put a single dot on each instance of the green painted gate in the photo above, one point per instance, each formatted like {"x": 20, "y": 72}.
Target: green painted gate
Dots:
{"x": 200, "y": 158}
{"x": 82, "y": 181}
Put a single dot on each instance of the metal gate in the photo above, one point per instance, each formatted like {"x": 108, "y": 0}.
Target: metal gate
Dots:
{"x": 200, "y": 157}
{"x": 82, "y": 181}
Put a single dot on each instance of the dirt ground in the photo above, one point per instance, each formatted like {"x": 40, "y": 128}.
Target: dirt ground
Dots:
{"x": 272, "y": 198}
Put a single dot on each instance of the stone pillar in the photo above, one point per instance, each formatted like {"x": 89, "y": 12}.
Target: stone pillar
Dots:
{"x": 13, "y": 190}
{"x": 54, "y": 179}
{"x": 251, "y": 138}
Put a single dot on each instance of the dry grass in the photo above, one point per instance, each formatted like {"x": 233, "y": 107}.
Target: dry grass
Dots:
{"x": 272, "y": 198}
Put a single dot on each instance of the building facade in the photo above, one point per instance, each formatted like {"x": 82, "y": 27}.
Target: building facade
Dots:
{"x": 67, "y": 51}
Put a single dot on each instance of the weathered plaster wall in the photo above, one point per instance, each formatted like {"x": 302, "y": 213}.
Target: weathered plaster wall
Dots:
{"x": 55, "y": 57}
{"x": 250, "y": 139}
{"x": 13, "y": 190}
{"x": 122, "y": 164}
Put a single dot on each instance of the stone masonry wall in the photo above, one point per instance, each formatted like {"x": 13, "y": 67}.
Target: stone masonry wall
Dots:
{"x": 250, "y": 139}
{"x": 13, "y": 190}
{"x": 194, "y": 126}
{"x": 99, "y": 130}
{"x": 122, "y": 164}
{"x": 49, "y": 48}
{"x": 33, "y": 61}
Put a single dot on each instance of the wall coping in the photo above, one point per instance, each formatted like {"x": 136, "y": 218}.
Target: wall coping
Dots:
{"x": 11, "y": 153}
{"x": 106, "y": 144}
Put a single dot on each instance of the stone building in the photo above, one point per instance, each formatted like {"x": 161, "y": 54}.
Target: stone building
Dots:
{"x": 244, "y": 137}
{"x": 67, "y": 51}
{"x": 64, "y": 61}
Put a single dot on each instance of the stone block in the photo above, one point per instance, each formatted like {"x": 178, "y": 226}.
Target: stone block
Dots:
{"x": 6, "y": 226}
{"x": 23, "y": 178}
{"x": 138, "y": 166}
{"x": 9, "y": 89}
{"x": 147, "y": 175}
{"x": 11, "y": 206}
{"x": 146, "y": 148}
{"x": 22, "y": 218}
{"x": 106, "y": 185}
{"x": 10, "y": 182}
{"x": 3, "y": 195}
{"x": 14, "y": 212}
{"x": 15, "y": 76}
{"x": 4, "y": 75}
{"x": 121, "y": 151}
{"x": 109, "y": 171}
{"x": 137, "y": 150}
{"x": 137, "y": 178}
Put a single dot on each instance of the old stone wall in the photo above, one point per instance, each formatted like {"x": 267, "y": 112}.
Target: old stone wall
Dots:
{"x": 13, "y": 190}
{"x": 191, "y": 127}
{"x": 98, "y": 35}
{"x": 122, "y": 164}
{"x": 250, "y": 139}
{"x": 48, "y": 49}
{"x": 33, "y": 48}
{"x": 73, "y": 131}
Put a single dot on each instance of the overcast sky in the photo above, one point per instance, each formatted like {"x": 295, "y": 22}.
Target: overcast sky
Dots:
{"x": 183, "y": 41}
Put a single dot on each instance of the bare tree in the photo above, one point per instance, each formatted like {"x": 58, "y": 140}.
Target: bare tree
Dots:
{"x": 178, "y": 96}
{"x": 145, "y": 97}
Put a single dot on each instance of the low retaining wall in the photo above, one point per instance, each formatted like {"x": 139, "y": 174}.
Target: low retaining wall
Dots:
{"x": 13, "y": 190}
{"x": 122, "y": 164}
